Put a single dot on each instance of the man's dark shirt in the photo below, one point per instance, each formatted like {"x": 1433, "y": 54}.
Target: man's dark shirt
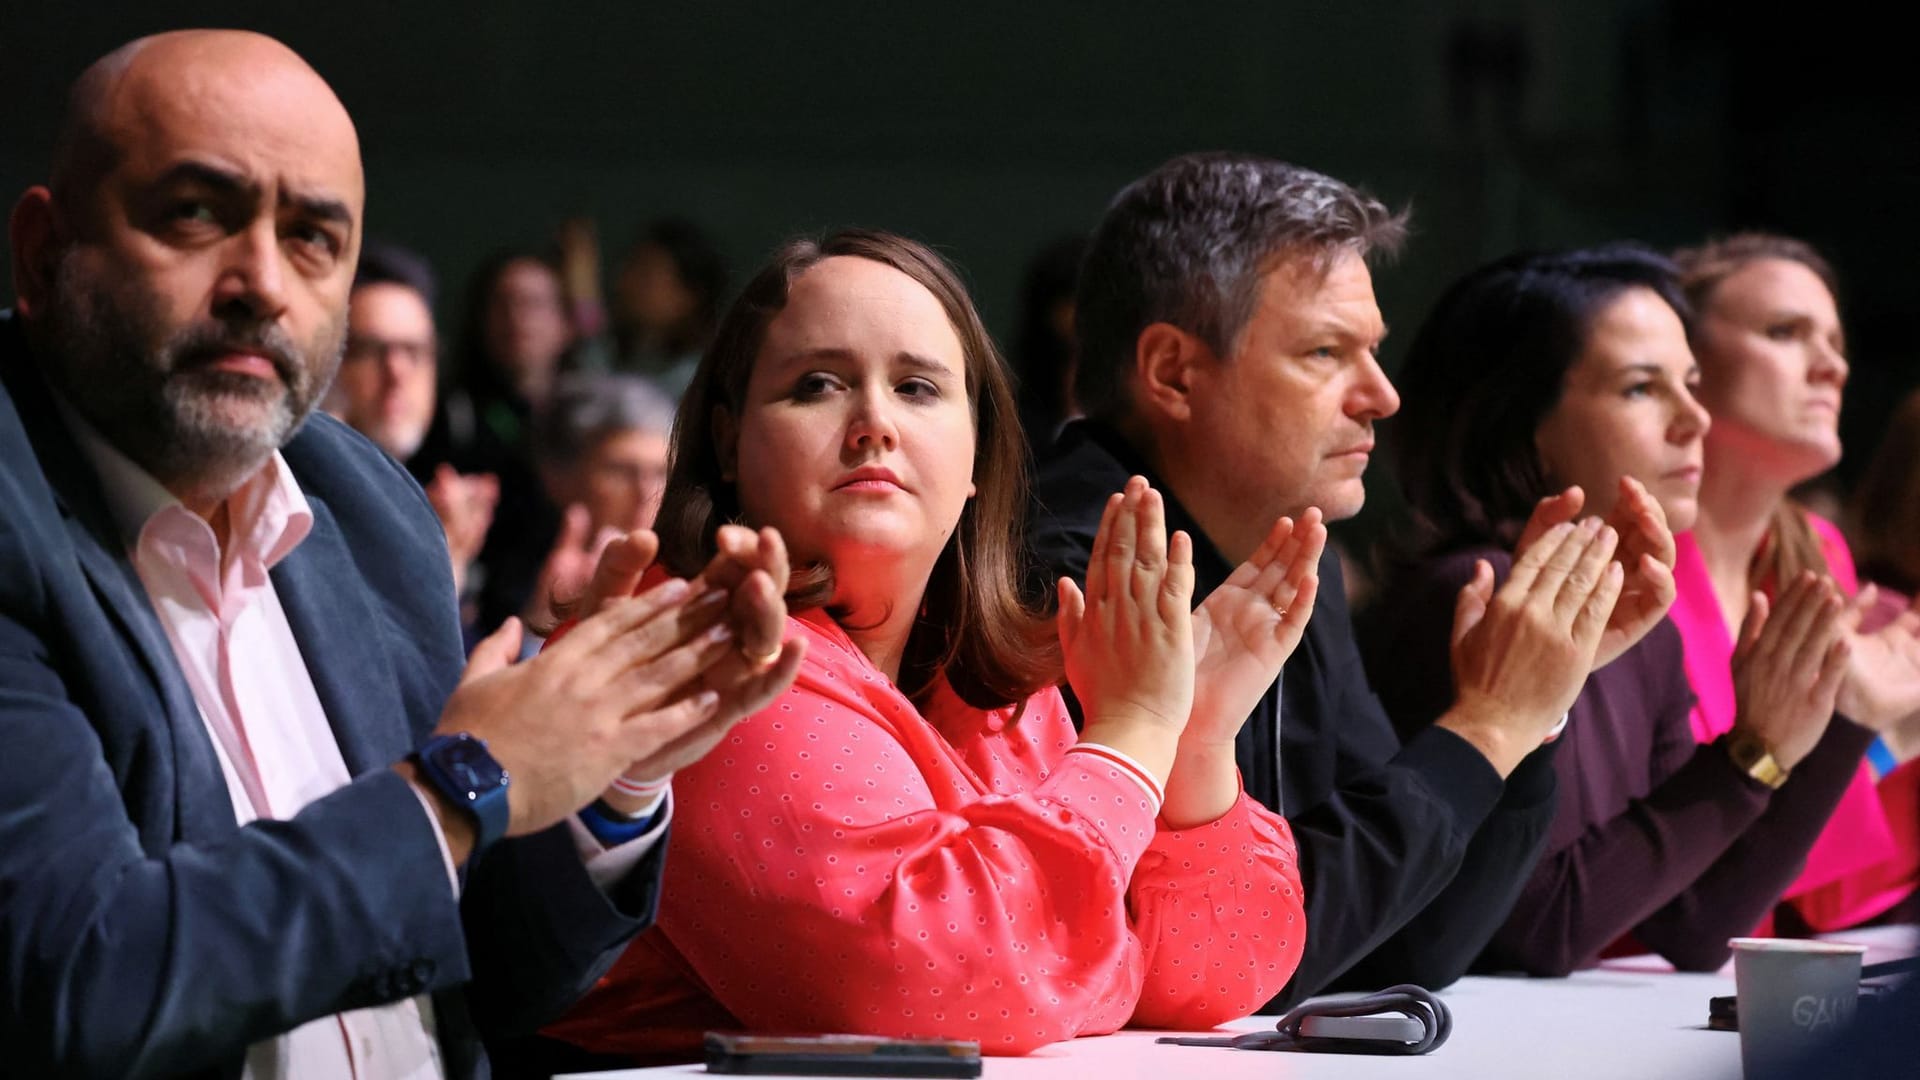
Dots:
{"x": 1410, "y": 855}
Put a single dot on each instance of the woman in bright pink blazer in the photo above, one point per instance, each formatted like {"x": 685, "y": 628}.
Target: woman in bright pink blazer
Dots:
{"x": 1773, "y": 365}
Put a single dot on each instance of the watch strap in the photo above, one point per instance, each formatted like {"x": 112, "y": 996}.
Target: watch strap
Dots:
{"x": 613, "y": 828}
{"x": 485, "y": 798}
{"x": 1752, "y": 757}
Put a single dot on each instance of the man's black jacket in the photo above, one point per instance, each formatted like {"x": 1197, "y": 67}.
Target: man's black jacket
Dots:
{"x": 1411, "y": 855}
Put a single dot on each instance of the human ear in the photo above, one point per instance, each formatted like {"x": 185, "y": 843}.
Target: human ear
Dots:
{"x": 1164, "y": 359}
{"x": 38, "y": 237}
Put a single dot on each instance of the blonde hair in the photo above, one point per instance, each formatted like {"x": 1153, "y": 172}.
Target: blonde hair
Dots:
{"x": 1791, "y": 546}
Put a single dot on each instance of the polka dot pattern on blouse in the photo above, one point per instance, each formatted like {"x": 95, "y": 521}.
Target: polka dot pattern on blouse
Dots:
{"x": 843, "y": 862}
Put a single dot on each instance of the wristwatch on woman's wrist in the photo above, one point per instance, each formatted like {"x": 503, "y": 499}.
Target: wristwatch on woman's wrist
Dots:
{"x": 1752, "y": 757}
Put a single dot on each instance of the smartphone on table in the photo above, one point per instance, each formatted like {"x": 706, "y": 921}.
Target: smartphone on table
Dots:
{"x": 839, "y": 1055}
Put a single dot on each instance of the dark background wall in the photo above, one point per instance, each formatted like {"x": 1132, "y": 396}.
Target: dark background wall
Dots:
{"x": 989, "y": 128}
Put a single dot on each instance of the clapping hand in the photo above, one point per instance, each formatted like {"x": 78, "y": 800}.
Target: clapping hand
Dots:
{"x": 1127, "y": 640}
{"x": 753, "y": 568}
{"x": 748, "y": 577}
{"x": 569, "y": 567}
{"x": 623, "y": 687}
{"x": 1646, "y": 553}
{"x": 1882, "y": 684}
{"x": 1787, "y": 667}
{"x": 465, "y": 506}
{"x": 1522, "y": 652}
{"x": 1245, "y": 629}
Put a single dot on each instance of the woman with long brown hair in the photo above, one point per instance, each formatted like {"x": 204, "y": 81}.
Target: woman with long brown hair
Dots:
{"x": 1773, "y": 364}
{"x": 914, "y": 840}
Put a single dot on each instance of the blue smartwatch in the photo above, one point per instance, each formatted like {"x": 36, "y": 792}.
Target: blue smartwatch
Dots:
{"x": 459, "y": 767}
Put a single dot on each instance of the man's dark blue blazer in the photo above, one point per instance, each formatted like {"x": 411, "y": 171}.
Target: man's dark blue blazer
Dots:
{"x": 144, "y": 933}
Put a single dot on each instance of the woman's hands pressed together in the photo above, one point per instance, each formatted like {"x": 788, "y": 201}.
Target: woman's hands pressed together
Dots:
{"x": 747, "y": 579}
{"x": 1882, "y": 684}
{"x": 1646, "y": 554}
{"x": 1787, "y": 667}
{"x": 1127, "y": 640}
{"x": 1522, "y": 652}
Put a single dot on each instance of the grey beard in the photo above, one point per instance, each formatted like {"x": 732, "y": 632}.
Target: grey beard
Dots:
{"x": 193, "y": 450}
{"x": 117, "y": 364}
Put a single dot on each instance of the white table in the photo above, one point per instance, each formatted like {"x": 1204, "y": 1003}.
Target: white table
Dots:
{"x": 1628, "y": 1019}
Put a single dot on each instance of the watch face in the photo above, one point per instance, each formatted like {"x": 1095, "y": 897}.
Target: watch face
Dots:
{"x": 469, "y": 765}
{"x": 1744, "y": 753}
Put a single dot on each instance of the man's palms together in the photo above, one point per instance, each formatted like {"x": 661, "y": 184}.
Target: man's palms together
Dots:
{"x": 1245, "y": 629}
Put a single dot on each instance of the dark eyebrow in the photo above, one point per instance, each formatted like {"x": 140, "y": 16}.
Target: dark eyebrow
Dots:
{"x": 1648, "y": 367}
{"x": 814, "y": 354}
{"x": 225, "y": 181}
{"x": 1336, "y": 328}
{"x": 321, "y": 208}
{"x": 1804, "y": 318}
{"x": 229, "y": 182}
{"x": 911, "y": 360}
{"x": 922, "y": 363}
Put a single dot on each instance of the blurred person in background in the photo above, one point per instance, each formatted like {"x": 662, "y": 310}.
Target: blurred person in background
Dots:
{"x": 385, "y": 388}
{"x": 518, "y": 332}
{"x": 664, "y": 305}
{"x": 666, "y": 301}
{"x": 387, "y": 391}
{"x": 600, "y": 447}
{"x": 1773, "y": 363}
{"x": 1886, "y": 508}
{"x": 1043, "y": 343}
{"x": 1886, "y": 517}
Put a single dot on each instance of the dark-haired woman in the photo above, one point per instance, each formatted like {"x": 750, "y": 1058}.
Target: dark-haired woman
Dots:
{"x": 1773, "y": 362}
{"x": 666, "y": 302}
{"x": 1571, "y": 371}
{"x": 516, "y": 334}
{"x": 914, "y": 841}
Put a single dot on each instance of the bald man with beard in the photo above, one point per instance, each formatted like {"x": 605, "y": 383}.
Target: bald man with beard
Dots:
{"x": 255, "y": 818}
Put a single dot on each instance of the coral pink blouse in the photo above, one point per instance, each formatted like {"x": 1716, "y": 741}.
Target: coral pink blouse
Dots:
{"x": 843, "y": 862}
{"x": 1857, "y": 868}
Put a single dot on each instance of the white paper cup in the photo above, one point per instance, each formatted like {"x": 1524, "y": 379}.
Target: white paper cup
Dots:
{"x": 1793, "y": 995}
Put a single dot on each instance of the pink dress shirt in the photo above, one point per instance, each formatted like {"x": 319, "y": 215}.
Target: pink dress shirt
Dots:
{"x": 268, "y": 729}
{"x": 846, "y": 862}
{"x": 1851, "y": 870}
{"x": 276, "y": 748}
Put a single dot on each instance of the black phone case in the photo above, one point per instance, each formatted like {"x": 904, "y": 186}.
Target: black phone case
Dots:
{"x": 904, "y": 1060}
